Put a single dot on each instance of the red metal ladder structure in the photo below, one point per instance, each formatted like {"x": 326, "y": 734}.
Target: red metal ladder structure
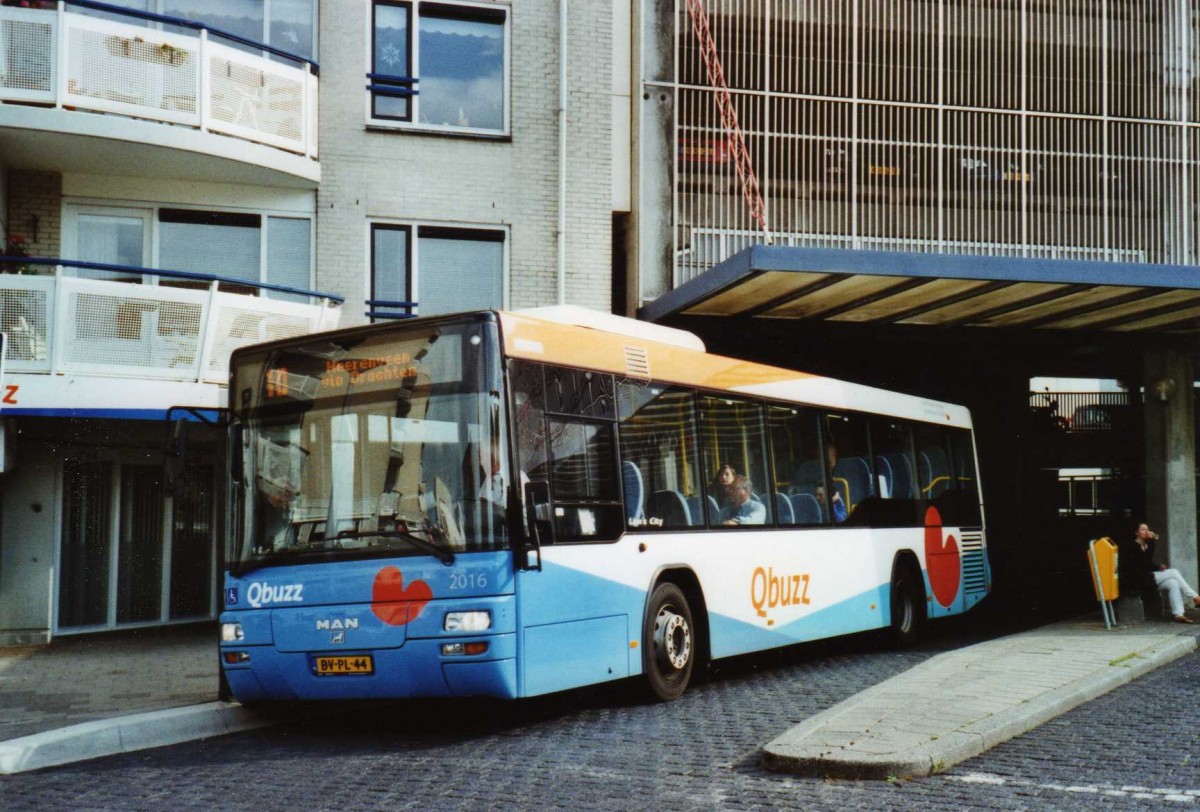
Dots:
{"x": 729, "y": 120}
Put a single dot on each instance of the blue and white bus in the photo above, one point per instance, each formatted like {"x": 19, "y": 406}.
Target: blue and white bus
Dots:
{"x": 511, "y": 504}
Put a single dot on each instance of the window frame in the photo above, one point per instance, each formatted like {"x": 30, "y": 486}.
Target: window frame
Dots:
{"x": 152, "y": 236}
{"x": 411, "y": 122}
{"x": 417, "y": 229}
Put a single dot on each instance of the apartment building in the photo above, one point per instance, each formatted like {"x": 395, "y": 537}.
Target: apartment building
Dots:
{"x": 180, "y": 178}
{"x": 159, "y": 168}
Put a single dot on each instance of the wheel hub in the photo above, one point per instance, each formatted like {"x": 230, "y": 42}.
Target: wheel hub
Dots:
{"x": 672, "y": 639}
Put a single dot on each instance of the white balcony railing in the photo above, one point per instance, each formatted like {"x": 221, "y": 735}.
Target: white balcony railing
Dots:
{"x": 70, "y": 325}
{"x": 76, "y": 61}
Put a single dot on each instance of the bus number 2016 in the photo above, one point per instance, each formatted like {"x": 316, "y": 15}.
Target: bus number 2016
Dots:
{"x": 468, "y": 580}
{"x": 768, "y": 590}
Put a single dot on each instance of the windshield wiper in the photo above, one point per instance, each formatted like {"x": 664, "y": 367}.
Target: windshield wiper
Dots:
{"x": 443, "y": 554}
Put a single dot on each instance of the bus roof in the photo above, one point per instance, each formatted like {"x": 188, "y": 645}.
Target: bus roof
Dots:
{"x": 578, "y": 337}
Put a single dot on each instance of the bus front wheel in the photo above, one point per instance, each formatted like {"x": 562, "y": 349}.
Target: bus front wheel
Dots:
{"x": 668, "y": 642}
{"x": 908, "y": 607}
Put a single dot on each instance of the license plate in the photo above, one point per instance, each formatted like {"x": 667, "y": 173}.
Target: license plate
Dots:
{"x": 354, "y": 664}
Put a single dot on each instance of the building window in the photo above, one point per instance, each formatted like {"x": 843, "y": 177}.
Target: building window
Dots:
{"x": 289, "y": 25}
{"x": 440, "y": 65}
{"x": 444, "y": 271}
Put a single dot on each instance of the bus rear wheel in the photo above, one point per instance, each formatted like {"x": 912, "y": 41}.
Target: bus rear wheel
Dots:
{"x": 668, "y": 642}
{"x": 908, "y": 607}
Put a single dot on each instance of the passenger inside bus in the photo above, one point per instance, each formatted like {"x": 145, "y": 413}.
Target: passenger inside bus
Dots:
{"x": 741, "y": 509}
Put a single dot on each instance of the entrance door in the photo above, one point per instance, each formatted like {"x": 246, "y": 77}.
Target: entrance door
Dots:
{"x": 131, "y": 554}
{"x": 85, "y": 563}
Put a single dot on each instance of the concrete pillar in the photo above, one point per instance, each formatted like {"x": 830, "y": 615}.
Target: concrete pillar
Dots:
{"x": 1170, "y": 445}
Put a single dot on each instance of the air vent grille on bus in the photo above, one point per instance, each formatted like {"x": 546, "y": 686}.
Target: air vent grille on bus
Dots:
{"x": 637, "y": 362}
{"x": 974, "y": 571}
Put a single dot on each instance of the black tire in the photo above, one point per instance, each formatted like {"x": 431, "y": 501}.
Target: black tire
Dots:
{"x": 908, "y": 607}
{"x": 668, "y": 643}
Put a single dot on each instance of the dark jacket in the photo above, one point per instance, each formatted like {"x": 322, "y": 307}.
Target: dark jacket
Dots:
{"x": 1137, "y": 565}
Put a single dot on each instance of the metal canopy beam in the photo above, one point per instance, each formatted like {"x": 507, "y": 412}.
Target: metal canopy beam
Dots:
{"x": 1091, "y": 291}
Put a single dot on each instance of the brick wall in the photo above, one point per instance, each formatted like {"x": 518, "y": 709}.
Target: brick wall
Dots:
{"x": 36, "y": 194}
{"x": 368, "y": 174}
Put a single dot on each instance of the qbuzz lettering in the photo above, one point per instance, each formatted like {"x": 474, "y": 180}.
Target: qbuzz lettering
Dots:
{"x": 259, "y": 593}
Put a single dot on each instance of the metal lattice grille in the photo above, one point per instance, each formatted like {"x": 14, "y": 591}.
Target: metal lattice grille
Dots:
{"x": 1060, "y": 130}
{"x": 251, "y": 96}
{"x": 26, "y": 53}
{"x": 124, "y": 331}
{"x": 974, "y": 571}
{"x": 239, "y": 325}
{"x": 110, "y": 67}
{"x": 23, "y": 318}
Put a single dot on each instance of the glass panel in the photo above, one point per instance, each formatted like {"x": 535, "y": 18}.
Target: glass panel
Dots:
{"x": 241, "y": 17}
{"x": 735, "y": 457}
{"x": 389, "y": 263}
{"x": 660, "y": 451}
{"x": 462, "y": 70}
{"x": 291, "y": 27}
{"x": 289, "y": 255}
{"x": 456, "y": 274}
{"x": 895, "y": 469}
{"x": 210, "y": 242}
{"x": 848, "y": 455}
{"x": 800, "y": 486}
{"x": 391, "y": 57}
{"x": 86, "y": 542}
{"x": 583, "y": 459}
{"x": 192, "y": 541}
{"x": 367, "y": 448}
{"x": 139, "y": 551}
{"x": 109, "y": 240}
{"x": 933, "y": 461}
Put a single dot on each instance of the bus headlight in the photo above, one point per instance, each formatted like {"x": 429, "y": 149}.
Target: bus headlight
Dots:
{"x": 232, "y": 633}
{"x": 477, "y": 621}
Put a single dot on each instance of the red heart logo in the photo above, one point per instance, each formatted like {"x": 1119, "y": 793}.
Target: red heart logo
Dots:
{"x": 942, "y": 560}
{"x": 393, "y": 602}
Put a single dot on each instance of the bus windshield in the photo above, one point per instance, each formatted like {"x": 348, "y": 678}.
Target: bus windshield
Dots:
{"x": 380, "y": 443}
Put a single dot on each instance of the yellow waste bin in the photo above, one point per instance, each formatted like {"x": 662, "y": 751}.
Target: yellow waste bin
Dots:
{"x": 1102, "y": 556}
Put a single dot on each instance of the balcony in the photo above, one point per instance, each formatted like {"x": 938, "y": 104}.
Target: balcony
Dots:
{"x": 73, "y": 78}
{"x": 83, "y": 346}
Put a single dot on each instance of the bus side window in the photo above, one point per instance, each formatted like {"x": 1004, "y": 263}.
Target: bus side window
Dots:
{"x": 660, "y": 458}
{"x": 799, "y": 493}
{"x": 734, "y": 440}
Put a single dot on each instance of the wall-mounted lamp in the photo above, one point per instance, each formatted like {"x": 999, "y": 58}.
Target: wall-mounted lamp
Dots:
{"x": 1163, "y": 389}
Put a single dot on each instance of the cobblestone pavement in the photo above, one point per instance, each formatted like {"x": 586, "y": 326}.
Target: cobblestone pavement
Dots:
{"x": 604, "y": 749}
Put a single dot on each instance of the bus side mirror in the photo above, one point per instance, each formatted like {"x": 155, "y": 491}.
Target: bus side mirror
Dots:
{"x": 539, "y": 522}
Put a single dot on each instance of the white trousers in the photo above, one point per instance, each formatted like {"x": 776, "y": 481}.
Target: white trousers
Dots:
{"x": 1171, "y": 582}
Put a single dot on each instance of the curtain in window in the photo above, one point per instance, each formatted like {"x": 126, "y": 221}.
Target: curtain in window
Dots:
{"x": 459, "y": 274}
{"x": 289, "y": 254}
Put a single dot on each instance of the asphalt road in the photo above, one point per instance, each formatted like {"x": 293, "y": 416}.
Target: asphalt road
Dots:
{"x": 607, "y": 749}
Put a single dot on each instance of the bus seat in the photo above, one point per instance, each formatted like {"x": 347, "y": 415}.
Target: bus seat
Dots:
{"x": 902, "y": 475}
{"x": 694, "y": 508}
{"x": 935, "y": 472}
{"x": 806, "y": 509}
{"x": 714, "y": 511}
{"x": 671, "y": 508}
{"x": 635, "y": 494}
{"x": 852, "y": 476}
{"x": 783, "y": 509}
{"x": 809, "y": 472}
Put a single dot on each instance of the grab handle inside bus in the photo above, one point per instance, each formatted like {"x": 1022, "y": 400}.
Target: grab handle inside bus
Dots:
{"x": 538, "y": 519}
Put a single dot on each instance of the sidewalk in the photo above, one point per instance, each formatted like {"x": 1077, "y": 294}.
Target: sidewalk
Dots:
{"x": 96, "y": 695}
{"x": 959, "y": 704}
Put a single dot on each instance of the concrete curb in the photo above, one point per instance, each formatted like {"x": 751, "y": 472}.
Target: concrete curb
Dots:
{"x": 792, "y": 754}
{"x": 125, "y": 734}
